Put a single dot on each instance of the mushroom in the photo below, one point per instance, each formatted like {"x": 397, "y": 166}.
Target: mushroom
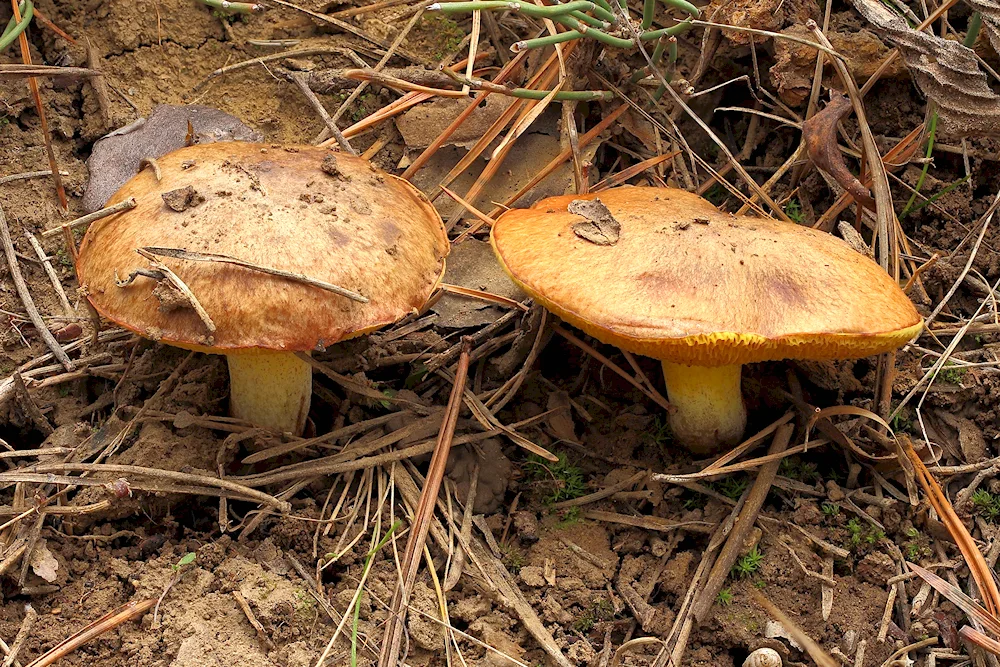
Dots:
{"x": 303, "y": 210}
{"x": 663, "y": 273}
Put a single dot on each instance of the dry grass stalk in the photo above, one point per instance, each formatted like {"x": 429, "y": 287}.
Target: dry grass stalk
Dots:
{"x": 423, "y": 514}
{"x": 25, "y": 294}
{"x": 106, "y": 623}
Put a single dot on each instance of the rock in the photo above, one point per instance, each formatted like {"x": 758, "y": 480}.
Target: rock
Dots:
{"x": 473, "y": 264}
{"x": 833, "y": 491}
{"x": 792, "y": 72}
{"x": 422, "y": 124}
{"x": 116, "y": 156}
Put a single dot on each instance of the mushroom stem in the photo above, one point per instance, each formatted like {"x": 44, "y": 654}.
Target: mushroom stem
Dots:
{"x": 270, "y": 389}
{"x": 709, "y": 406}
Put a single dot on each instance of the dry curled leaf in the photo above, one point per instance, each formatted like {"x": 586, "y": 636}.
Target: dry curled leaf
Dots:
{"x": 945, "y": 71}
{"x": 601, "y": 228}
{"x": 820, "y": 135}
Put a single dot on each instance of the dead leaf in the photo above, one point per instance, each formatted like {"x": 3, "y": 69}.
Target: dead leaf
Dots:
{"x": 561, "y": 420}
{"x": 182, "y": 199}
{"x": 820, "y": 135}
{"x": 43, "y": 563}
{"x": 944, "y": 70}
{"x": 601, "y": 227}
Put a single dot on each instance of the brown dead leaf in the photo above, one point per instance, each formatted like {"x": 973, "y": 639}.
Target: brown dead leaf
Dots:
{"x": 820, "y": 135}
{"x": 43, "y": 563}
{"x": 601, "y": 228}
{"x": 182, "y": 199}
{"x": 945, "y": 71}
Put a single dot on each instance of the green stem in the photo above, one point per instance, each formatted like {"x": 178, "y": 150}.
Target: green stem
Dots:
{"x": 233, "y": 7}
{"x": 972, "y": 34}
{"x": 590, "y": 20}
{"x": 548, "y": 40}
{"x": 564, "y": 95}
{"x": 944, "y": 191}
{"x": 648, "y": 10}
{"x": 923, "y": 172}
{"x": 684, "y": 6}
{"x": 549, "y": 11}
{"x": 657, "y": 56}
{"x": 669, "y": 74}
{"x": 13, "y": 31}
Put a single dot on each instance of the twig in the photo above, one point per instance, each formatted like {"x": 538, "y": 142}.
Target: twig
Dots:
{"x": 26, "y": 175}
{"x": 30, "y": 615}
{"x": 17, "y": 71}
{"x": 140, "y": 471}
{"x": 248, "y": 612}
{"x": 392, "y": 49}
{"x": 343, "y": 25}
{"x": 25, "y": 294}
{"x": 177, "y": 253}
{"x": 99, "y": 85}
{"x": 91, "y": 217}
{"x": 424, "y": 513}
{"x": 51, "y": 273}
{"x": 299, "y": 79}
{"x": 104, "y": 624}
{"x": 161, "y": 272}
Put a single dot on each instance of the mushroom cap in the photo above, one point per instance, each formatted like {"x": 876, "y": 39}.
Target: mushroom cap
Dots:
{"x": 302, "y": 209}
{"x": 689, "y": 284}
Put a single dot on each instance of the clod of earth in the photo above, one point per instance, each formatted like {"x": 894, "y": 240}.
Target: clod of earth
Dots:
{"x": 117, "y": 157}
{"x": 274, "y": 209}
{"x": 704, "y": 298}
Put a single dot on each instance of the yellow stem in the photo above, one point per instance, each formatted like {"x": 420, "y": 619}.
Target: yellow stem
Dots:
{"x": 709, "y": 411}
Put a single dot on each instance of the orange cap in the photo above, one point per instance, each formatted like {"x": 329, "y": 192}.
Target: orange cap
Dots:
{"x": 688, "y": 284}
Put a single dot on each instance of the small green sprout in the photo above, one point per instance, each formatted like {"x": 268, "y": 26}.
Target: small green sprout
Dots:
{"x": 187, "y": 559}
{"x": 566, "y": 478}
{"x": 748, "y": 564}
{"x": 732, "y": 486}
{"x": 725, "y": 597}
{"x": 793, "y": 209}
{"x": 830, "y": 509}
{"x": 986, "y": 504}
{"x": 952, "y": 374}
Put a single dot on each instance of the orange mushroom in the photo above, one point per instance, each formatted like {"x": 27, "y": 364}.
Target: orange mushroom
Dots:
{"x": 667, "y": 275}
{"x": 303, "y": 210}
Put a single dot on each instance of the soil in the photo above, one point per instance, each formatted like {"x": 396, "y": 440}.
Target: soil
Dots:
{"x": 268, "y": 588}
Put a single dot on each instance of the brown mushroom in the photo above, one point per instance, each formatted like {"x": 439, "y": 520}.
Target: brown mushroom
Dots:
{"x": 703, "y": 291}
{"x": 303, "y": 210}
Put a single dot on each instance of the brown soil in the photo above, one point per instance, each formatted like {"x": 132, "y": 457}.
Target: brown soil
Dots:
{"x": 594, "y": 584}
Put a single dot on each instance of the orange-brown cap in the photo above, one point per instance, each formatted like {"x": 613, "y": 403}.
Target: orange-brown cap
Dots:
{"x": 689, "y": 284}
{"x": 304, "y": 210}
